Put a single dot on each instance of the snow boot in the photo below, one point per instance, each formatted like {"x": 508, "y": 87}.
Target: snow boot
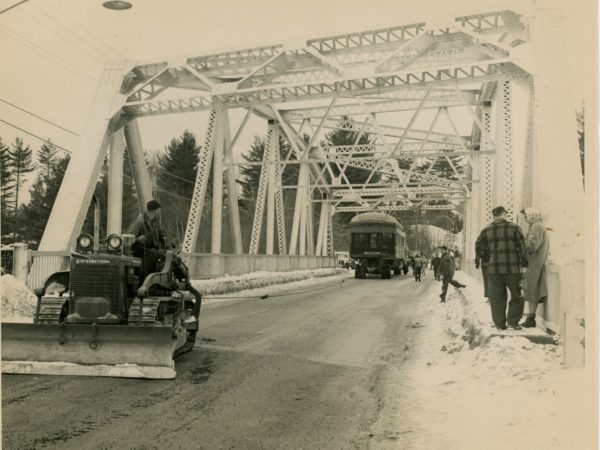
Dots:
{"x": 529, "y": 322}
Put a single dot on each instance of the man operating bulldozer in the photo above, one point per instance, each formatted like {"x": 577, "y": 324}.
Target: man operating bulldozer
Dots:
{"x": 149, "y": 236}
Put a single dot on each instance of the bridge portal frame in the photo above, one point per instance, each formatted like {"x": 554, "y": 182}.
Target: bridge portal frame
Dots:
{"x": 471, "y": 64}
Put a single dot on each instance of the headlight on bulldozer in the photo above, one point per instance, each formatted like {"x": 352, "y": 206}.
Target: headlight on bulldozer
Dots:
{"x": 114, "y": 242}
{"x": 84, "y": 242}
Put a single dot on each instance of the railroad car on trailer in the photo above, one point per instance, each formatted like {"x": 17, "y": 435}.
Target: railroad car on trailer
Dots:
{"x": 378, "y": 244}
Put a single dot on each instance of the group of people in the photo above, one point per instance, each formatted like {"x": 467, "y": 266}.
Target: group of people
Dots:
{"x": 509, "y": 261}
{"x": 514, "y": 262}
{"x": 443, "y": 266}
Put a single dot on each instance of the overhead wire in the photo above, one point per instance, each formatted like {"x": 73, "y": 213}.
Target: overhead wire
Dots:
{"x": 125, "y": 176}
{"x": 36, "y": 136}
{"x": 13, "y": 6}
{"x": 48, "y": 55}
{"x": 39, "y": 117}
{"x": 73, "y": 69}
{"x": 96, "y": 48}
{"x": 70, "y": 30}
{"x": 72, "y": 42}
{"x": 78, "y": 25}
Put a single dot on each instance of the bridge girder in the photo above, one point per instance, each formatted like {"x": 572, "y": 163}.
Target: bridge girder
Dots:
{"x": 323, "y": 82}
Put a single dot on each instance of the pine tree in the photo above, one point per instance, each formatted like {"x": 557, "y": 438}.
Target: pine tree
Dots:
{"x": 176, "y": 175}
{"x": 43, "y": 194}
{"x": 7, "y": 181}
{"x": 22, "y": 165}
{"x": 47, "y": 157}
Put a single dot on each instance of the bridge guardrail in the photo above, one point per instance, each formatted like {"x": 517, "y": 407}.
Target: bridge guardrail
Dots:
{"x": 206, "y": 265}
{"x": 36, "y": 266}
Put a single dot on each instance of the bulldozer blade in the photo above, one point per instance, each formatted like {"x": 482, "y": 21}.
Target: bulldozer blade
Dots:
{"x": 77, "y": 349}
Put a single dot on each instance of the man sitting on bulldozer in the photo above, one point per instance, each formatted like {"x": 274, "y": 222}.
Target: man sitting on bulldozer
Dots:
{"x": 149, "y": 237}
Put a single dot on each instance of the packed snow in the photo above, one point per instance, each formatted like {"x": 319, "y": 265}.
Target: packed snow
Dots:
{"x": 480, "y": 392}
{"x": 18, "y": 301}
{"x": 265, "y": 283}
{"x": 468, "y": 389}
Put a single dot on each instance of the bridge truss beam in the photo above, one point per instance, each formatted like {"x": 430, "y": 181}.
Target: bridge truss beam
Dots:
{"x": 348, "y": 82}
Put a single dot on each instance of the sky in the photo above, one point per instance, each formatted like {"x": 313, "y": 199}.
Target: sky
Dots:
{"x": 53, "y": 51}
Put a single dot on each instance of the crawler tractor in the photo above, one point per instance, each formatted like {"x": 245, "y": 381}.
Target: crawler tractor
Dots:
{"x": 106, "y": 317}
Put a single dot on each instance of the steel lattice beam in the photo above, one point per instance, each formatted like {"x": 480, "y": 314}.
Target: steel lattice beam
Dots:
{"x": 393, "y": 208}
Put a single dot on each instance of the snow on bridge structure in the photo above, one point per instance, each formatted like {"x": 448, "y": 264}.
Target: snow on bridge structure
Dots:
{"x": 482, "y": 92}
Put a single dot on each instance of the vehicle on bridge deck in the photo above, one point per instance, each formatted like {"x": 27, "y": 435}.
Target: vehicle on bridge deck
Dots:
{"x": 378, "y": 244}
{"x": 97, "y": 320}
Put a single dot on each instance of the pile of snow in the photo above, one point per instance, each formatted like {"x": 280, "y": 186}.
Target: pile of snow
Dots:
{"x": 495, "y": 392}
{"x": 254, "y": 280}
{"x": 18, "y": 301}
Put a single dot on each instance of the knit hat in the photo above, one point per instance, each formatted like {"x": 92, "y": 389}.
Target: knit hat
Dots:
{"x": 152, "y": 205}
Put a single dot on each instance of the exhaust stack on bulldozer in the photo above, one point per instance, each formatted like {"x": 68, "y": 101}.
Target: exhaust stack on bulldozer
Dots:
{"x": 106, "y": 317}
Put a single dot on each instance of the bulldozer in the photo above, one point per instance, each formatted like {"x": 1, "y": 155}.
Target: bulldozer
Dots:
{"x": 106, "y": 316}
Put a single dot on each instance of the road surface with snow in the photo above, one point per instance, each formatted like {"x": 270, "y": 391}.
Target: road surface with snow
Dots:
{"x": 311, "y": 370}
{"x": 363, "y": 364}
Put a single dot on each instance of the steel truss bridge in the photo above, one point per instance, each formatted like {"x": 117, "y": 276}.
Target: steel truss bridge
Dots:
{"x": 519, "y": 146}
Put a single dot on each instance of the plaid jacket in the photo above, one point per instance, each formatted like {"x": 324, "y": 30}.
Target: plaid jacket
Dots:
{"x": 502, "y": 244}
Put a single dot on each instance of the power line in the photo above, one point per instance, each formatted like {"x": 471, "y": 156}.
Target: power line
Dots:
{"x": 39, "y": 117}
{"x": 163, "y": 171}
{"x": 78, "y": 25}
{"x": 174, "y": 194}
{"x": 72, "y": 42}
{"x": 37, "y": 137}
{"x": 69, "y": 30}
{"x": 51, "y": 57}
{"x": 13, "y": 6}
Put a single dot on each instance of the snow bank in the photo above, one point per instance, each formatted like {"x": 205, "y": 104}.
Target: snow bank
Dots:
{"x": 482, "y": 392}
{"x": 237, "y": 283}
{"x": 18, "y": 301}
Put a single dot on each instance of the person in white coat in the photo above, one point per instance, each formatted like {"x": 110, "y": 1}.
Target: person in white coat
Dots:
{"x": 535, "y": 283}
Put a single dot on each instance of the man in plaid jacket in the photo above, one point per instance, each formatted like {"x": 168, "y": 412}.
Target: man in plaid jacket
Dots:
{"x": 503, "y": 243}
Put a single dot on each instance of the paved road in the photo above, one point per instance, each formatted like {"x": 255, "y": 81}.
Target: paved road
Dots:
{"x": 318, "y": 370}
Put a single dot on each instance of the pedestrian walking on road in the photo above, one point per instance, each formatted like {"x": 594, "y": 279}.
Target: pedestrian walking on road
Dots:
{"x": 535, "y": 281}
{"x": 435, "y": 265}
{"x": 456, "y": 256}
{"x": 504, "y": 243}
{"x": 447, "y": 272}
{"x": 418, "y": 267}
{"x": 405, "y": 267}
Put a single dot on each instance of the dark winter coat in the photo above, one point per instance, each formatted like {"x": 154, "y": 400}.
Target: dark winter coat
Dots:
{"x": 447, "y": 266}
{"x": 150, "y": 229}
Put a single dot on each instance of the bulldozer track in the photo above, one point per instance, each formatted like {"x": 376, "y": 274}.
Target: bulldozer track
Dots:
{"x": 149, "y": 308}
{"x": 50, "y": 309}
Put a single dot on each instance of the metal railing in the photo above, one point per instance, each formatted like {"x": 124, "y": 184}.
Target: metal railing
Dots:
{"x": 34, "y": 267}
{"x": 206, "y": 265}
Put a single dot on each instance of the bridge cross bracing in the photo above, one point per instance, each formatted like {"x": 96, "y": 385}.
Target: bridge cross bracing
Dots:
{"x": 421, "y": 94}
